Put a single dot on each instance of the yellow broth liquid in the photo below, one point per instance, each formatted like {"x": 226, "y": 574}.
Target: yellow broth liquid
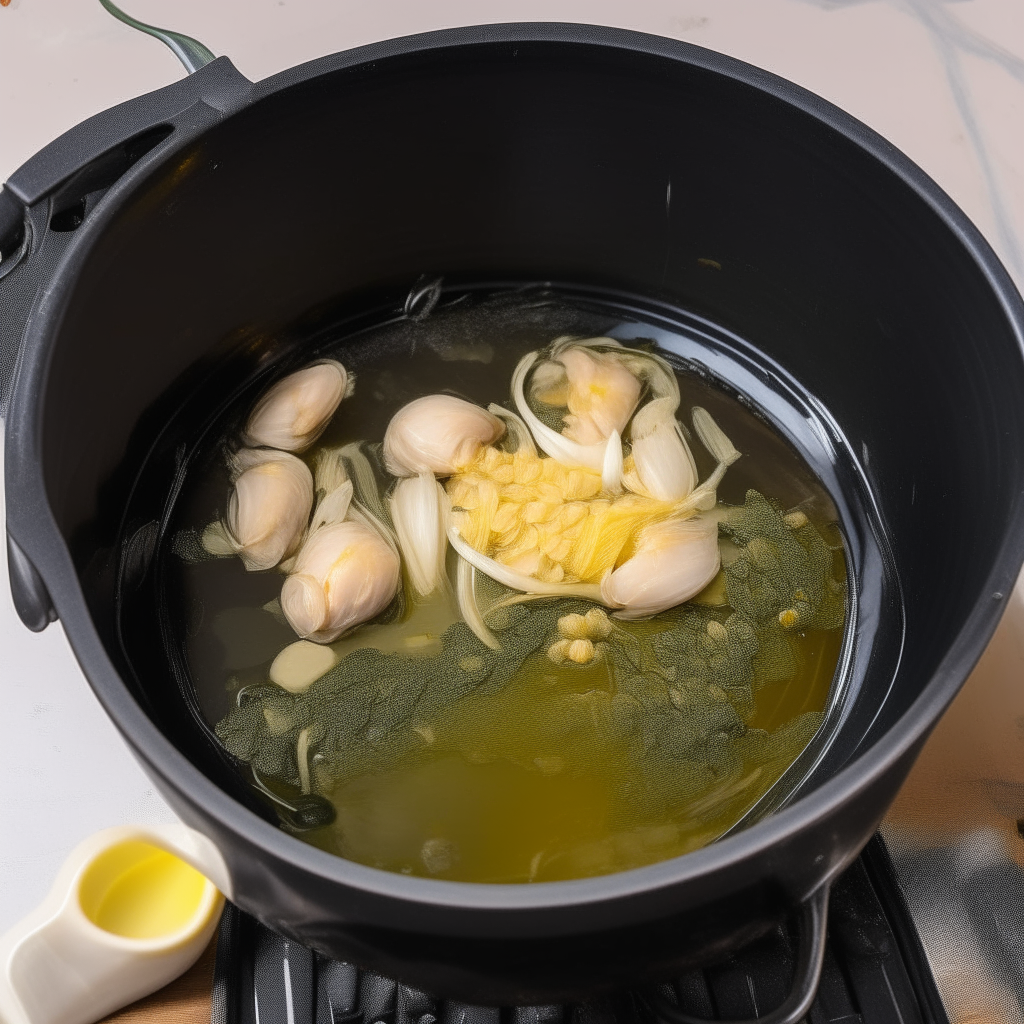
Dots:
{"x": 491, "y": 795}
{"x": 505, "y": 806}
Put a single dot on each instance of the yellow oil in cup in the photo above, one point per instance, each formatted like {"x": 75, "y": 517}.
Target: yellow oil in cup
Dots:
{"x": 124, "y": 916}
{"x": 139, "y": 891}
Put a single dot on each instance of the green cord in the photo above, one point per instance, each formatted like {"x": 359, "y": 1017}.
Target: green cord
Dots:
{"x": 189, "y": 51}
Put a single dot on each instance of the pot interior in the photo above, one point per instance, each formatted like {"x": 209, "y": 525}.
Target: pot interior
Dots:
{"x": 641, "y": 179}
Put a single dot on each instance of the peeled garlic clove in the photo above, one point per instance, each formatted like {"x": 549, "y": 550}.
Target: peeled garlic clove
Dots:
{"x": 675, "y": 560}
{"x": 551, "y": 442}
{"x": 601, "y": 394}
{"x": 438, "y": 434}
{"x": 418, "y": 509}
{"x": 295, "y": 411}
{"x": 345, "y": 575}
{"x": 268, "y": 508}
{"x": 301, "y": 664}
{"x": 663, "y": 466}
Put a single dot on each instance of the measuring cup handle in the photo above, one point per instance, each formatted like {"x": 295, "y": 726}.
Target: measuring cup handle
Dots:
{"x": 61, "y": 964}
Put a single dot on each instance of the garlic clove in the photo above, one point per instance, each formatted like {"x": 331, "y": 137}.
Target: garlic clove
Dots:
{"x": 438, "y": 434}
{"x": 601, "y": 394}
{"x": 551, "y": 442}
{"x": 345, "y": 574}
{"x": 293, "y": 413}
{"x": 663, "y": 466}
{"x": 418, "y": 509}
{"x": 301, "y": 664}
{"x": 268, "y": 508}
{"x": 550, "y": 384}
{"x": 599, "y": 382}
{"x": 304, "y": 604}
{"x": 674, "y": 561}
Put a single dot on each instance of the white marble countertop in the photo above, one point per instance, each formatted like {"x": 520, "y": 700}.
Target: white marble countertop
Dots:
{"x": 942, "y": 79}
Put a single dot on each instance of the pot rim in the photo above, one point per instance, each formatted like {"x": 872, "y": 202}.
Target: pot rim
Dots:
{"x": 32, "y": 525}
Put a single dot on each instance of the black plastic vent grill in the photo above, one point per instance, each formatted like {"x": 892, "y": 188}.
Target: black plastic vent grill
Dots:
{"x": 874, "y": 973}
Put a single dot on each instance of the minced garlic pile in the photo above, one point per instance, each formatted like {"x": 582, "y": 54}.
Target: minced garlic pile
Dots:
{"x": 543, "y": 519}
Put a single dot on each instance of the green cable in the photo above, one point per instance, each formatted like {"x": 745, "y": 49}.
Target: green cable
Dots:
{"x": 189, "y": 51}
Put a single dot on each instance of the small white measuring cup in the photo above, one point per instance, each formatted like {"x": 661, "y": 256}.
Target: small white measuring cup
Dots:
{"x": 131, "y": 909}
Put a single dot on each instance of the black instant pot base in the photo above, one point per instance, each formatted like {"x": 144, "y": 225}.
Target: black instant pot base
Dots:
{"x": 875, "y": 973}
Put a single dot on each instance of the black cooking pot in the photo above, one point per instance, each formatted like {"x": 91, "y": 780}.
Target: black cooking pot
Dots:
{"x": 167, "y": 241}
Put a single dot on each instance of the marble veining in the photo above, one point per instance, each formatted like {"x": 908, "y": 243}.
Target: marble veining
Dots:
{"x": 952, "y": 40}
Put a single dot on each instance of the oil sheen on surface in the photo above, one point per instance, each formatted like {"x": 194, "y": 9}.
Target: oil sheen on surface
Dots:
{"x": 445, "y": 760}
{"x": 138, "y": 891}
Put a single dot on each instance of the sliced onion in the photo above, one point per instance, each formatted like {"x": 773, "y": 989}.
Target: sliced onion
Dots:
{"x": 663, "y": 466}
{"x": 552, "y": 443}
{"x": 517, "y": 580}
{"x": 333, "y": 507}
{"x": 703, "y": 498}
{"x": 713, "y": 437}
{"x": 465, "y": 588}
{"x": 418, "y": 512}
{"x": 302, "y": 759}
{"x": 367, "y": 492}
{"x": 516, "y": 430}
{"x": 611, "y": 468}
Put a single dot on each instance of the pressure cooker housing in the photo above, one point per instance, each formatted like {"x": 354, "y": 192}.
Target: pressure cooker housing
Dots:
{"x": 214, "y": 212}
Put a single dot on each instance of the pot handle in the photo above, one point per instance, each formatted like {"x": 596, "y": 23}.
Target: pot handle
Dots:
{"x": 94, "y": 137}
{"x": 94, "y": 154}
{"x": 810, "y": 957}
{"x": 45, "y": 201}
